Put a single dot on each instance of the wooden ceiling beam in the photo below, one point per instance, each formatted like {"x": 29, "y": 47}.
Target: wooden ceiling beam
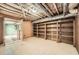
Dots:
{"x": 2, "y": 11}
{"x": 47, "y": 8}
{"x": 60, "y": 7}
{"x": 10, "y": 15}
{"x": 50, "y": 6}
{"x": 12, "y": 12}
{"x": 33, "y": 14}
{"x": 25, "y": 13}
{"x": 5, "y": 8}
{"x": 40, "y": 10}
{"x": 46, "y": 11}
{"x": 13, "y": 6}
{"x": 55, "y": 6}
{"x": 19, "y": 8}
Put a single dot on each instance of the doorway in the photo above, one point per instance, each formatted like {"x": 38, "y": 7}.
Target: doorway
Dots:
{"x": 12, "y": 30}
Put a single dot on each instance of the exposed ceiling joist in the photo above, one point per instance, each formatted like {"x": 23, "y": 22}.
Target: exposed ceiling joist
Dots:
{"x": 13, "y": 5}
{"x": 10, "y": 12}
{"x": 22, "y": 11}
{"x": 18, "y": 7}
{"x": 25, "y": 11}
{"x": 33, "y": 14}
{"x": 34, "y": 11}
{"x": 56, "y": 8}
{"x": 51, "y": 7}
{"x": 9, "y": 8}
{"x": 47, "y": 12}
{"x": 10, "y": 15}
{"x": 41, "y": 10}
{"x": 47, "y": 8}
{"x": 60, "y": 7}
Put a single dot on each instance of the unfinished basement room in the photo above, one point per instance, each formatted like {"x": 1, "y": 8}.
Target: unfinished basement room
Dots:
{"x": 39, "y": 28}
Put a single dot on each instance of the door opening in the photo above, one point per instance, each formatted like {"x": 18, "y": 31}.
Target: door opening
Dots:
{"x": 11, "y": 30}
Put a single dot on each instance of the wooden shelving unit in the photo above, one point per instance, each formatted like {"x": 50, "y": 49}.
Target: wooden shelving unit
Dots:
{"x": 41, "y": 30}
{"x": 35, "y": 30}
{"x": 59, "y": 30}
{"x": 66, "y": 33}
{"x": 52, "y": 29}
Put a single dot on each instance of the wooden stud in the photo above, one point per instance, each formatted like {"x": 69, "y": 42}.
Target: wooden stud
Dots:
{"x": 74, "y": 43}
{"x": 59, "y": 31}
{"x": 37, "y": 30}
{"x": 45, "y": 30}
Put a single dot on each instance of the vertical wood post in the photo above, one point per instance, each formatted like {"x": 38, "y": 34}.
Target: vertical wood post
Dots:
{"x": 74, "y": 43}
{"x": 45, "y": 31}
{"x": 37, "y": 30}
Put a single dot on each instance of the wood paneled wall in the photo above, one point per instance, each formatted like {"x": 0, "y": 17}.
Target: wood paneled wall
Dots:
{"x": 27, "y": 29}
{"x": 1, "y": 30}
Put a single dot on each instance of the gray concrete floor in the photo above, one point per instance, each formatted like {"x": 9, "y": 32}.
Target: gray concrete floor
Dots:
{"x": 36, "y": 46}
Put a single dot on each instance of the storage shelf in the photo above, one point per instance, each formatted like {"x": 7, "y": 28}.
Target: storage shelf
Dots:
{"x": 67, "y": 36}
{"x": 55, "y": 30}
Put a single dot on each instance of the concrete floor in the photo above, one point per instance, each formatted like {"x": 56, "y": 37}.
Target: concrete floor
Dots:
{"x": 34, "y": 46}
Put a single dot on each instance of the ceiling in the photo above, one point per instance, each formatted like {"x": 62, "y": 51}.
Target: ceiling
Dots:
{"x": 34, "y": 11}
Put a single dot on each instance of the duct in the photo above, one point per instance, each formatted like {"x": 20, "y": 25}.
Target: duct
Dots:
{"x": 54, "y": 18}
{"x": 72, "y": 7}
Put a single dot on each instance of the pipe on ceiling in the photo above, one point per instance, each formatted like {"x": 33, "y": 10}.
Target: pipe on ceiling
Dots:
{"x": 72, "y": 7}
